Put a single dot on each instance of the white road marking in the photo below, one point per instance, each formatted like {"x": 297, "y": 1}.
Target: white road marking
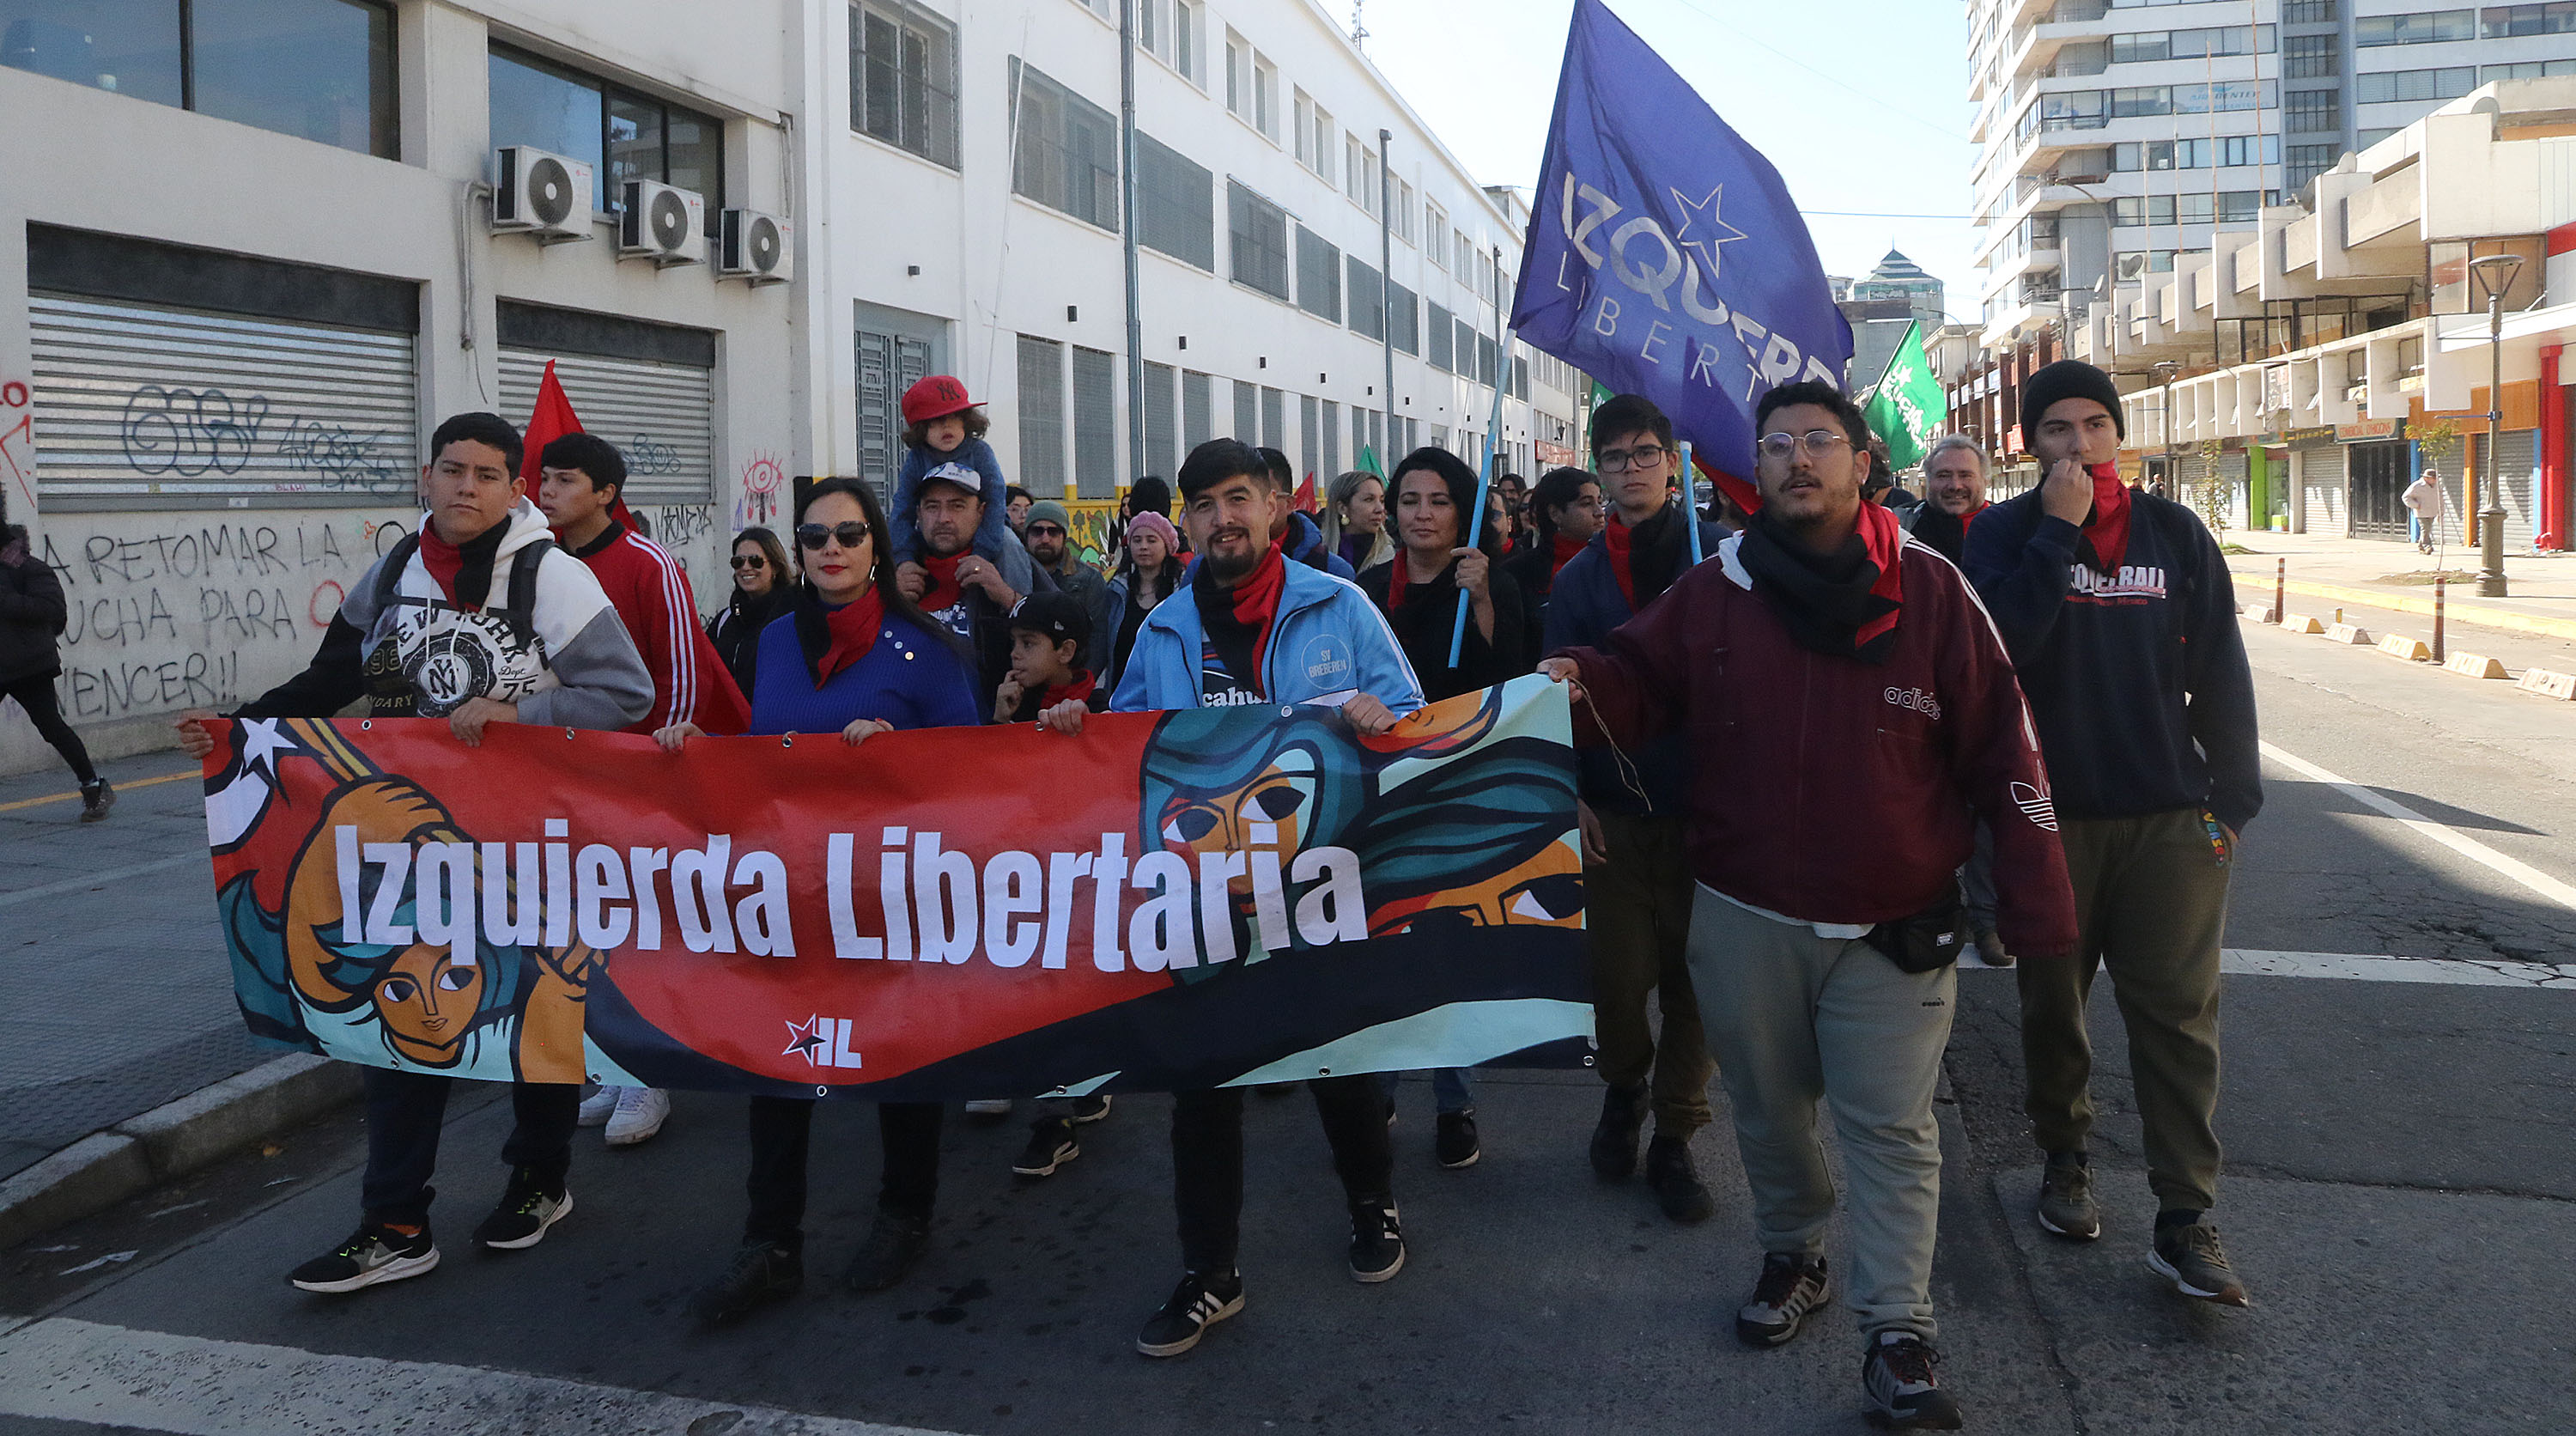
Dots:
{"x": 2467, "y": 847}
{"x": 67, "y": 1370}
{"x": 2368, "y": 968}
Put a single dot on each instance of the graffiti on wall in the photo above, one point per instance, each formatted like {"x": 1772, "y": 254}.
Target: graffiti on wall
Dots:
{"x": 193, "y": 433}
{"x": 18, "y": 440}
{"x": 763, "y": 480}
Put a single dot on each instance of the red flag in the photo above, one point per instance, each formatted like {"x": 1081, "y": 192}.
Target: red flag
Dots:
{"x": 1746, "y": 496}
{"x": 1306, "y": 495}
{"x": 553, "y": 419}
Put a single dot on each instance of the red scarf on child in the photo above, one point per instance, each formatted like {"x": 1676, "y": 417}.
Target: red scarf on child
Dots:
{"x": 1079, "y": 689}
{"x": 944, "y": 590}
{"x": 2107, "y": 528}
{"x": 1618, "y": 536}
{"x": 853, "y": 626}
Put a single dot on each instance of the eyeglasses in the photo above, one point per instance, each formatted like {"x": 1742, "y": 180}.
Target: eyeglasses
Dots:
{"x": 743, "y": 561}
{"x": 814, "y": 536}
{"x": 1644, "y": 456}
{"x": 1818, "y": 442}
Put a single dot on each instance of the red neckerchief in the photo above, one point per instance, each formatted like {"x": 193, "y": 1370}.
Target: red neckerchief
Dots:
{"x": 1079, "y": 689}
{"x": 1256, "y": 600}
{"x": 1399, "y": 580}
{"x": 1885, "y": 539}
{"x": 944, "y": 590}
{"x": 1617, "y": 536}
{"x": 853, "y": 627}
{"x": 1563, "y": 550}
{"x": 2107, "y": 528}
{"x": 443, "y": 560}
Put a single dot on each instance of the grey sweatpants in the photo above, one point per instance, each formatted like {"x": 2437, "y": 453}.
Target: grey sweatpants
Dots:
{"x": 1795, "y": 1018}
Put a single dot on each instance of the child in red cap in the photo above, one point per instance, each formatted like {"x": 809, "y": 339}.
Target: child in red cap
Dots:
{"x": 943, "y": 438}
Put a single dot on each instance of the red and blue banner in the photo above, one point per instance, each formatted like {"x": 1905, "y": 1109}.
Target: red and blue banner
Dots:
{"x": 1168, "y": 901}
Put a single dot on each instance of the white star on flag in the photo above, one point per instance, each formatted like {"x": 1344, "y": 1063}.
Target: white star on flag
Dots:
{"x": 1717, "y": 231}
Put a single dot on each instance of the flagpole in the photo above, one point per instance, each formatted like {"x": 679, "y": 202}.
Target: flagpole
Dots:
{"x": 1484, "y": 486}
{"x": 1690, "y": 502}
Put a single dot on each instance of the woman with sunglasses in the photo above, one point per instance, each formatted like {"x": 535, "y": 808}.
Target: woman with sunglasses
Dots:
{"x": 762, "y": 579}
{"x": 849, "y": 655}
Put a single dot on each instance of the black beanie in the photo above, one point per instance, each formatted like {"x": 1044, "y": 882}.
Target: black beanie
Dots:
{"x": 2068, "y": 379}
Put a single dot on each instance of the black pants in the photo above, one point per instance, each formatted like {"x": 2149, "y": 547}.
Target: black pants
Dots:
{"x": 1207, "y": 1160}
{"x": 36, "y": 695}
{"x": 782, "y": 1133}
{"x": 405, "y": 1111}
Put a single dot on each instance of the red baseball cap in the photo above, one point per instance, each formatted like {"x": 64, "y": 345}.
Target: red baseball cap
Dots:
{"x": 933, "y": 398}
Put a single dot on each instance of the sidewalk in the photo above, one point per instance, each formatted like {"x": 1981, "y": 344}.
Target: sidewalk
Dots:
{"x": 114, "y": 994}
{"x": 2359, "y": 571}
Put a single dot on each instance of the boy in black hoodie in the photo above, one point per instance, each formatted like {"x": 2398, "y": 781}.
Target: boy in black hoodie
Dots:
{"x": 2118, "y": 610}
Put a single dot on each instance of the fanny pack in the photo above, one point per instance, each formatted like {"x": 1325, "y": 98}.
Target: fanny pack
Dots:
{"x": 1927, "y": 941}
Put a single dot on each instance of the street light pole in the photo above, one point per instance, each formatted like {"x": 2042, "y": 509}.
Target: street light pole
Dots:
{"x": 2165, "y": 421}
{"x": 2496, "y": 272}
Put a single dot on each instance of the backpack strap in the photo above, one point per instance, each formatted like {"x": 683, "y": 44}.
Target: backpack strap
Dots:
{"x": 521, "y": 611}
{"x": 389, "y": 573}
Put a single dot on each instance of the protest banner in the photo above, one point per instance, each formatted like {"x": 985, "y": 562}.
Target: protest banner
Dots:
{"x": 1168, "y": 901}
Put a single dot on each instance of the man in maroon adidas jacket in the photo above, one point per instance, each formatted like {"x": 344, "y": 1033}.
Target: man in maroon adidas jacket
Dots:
{"x": 1852, "y": 715}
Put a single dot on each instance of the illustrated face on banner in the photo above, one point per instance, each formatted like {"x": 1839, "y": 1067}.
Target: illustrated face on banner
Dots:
{"x": 1545, "y": 889}
{"x": 1274, "y": 810}
{"x": 426, "y": 1001}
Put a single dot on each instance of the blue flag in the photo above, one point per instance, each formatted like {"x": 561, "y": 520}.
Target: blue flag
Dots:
{"x": 1665, "y": 257}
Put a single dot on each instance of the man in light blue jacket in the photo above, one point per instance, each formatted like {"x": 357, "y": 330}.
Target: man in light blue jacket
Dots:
{"x": 1254, "y": 628}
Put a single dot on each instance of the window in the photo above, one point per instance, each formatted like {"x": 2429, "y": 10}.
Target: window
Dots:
{"x": 1247, "y": 412}
{"x": 2314, "y": 111}
{"x": 1065, "y": 154}
{"x": 1257, "y": 235}
{"x": 1403, "y": 218}
{"x": 2309, "y": 161}
{"x": 1404, "y": 318}
{"x": 1435, "y": 223}
{"x": 2422, "y": 27}
{"x": 1175, "y": 204}
{"x": 320, "y": 70}
{"x": 2191, "y": 44}
{"x": 2526, "y": 70}
{"x": 1488, "y": 360}
{"x": 1265, "y": 96}
{"x": 1463, "y": 340}
{"x": 1161, "y": 455}
{"x": 2307, "y": 12}
{"x": 1041, "y": 466}
{"x": 2128, "y": 211}
{"x": 1368, "y": 299}
{"x": 1319, "y": 276}
{"x": 1520, "y": 378}
{"x": 2311, "y": 57}
{"x": 1238, "y": 74}
{"x": 1189, "y": 40}
{"x": 2196, "y": 154}
{"x": 2498, "y": 21}
{"x": 1198, "y": 409}
{"x": 1274, "y": 418}
{"x": 1095, "y": 424}
{"x": 1364, "y": 178}
{"x": 1440, "y": 340}
{"x": 1320, "y": 139}
{"x": 1355, "y": 167}
{"x": 2383, "y": 87}
{"x": 1330, "y": 423}
{"x": 1303, "y": 122}
{"x": 621, "y": 134}
{"x": 1466, "y": 258}
{"x": 903, "y": 78}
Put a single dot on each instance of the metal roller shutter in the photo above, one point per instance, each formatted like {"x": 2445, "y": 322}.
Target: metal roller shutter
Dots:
{"x": 1095, "y": 423}
{"x": 660, "y": 416}
{"x": 134, "y": 400}
{"x": 2519, "y": 451}
{"x": 1160, "y": 422}
{"x": 1041, "y": 395}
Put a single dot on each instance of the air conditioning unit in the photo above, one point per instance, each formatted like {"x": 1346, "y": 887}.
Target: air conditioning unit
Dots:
{"x": 664, "y": 224}
{"x": 540, "y": 194}
{"x": 755, "y": 246}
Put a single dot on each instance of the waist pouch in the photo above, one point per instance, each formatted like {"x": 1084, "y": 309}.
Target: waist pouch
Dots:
{"x": 1929, "y": 940}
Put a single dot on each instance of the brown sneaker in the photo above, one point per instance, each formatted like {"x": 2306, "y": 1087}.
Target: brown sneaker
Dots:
{"x": 1990, "y": 949}
{"x": 2188, "y": 1255}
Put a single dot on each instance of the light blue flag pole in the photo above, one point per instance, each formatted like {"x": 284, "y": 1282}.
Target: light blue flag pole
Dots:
{"x": 1484, "y": 485}
{"x": 1690, "y": 502}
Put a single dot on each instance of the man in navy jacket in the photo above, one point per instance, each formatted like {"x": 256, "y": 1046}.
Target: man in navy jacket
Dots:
{"x": 2119, "y": 612}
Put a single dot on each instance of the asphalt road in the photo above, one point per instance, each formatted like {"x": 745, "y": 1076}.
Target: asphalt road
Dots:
{"x": 2401, "y": 1199}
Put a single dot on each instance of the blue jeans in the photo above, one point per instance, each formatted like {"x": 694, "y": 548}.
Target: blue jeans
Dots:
{"x": 1453, "y": 1089}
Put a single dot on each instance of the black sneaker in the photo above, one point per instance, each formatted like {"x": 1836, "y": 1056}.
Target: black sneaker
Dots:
{"x": 761, "y": 1273}
{"x": 96, "y": 798}
{"x": 1197, "y": 1304}
{"x": 1677, "y": 1187}
{"x": 1456, "y": 1145}
{"x": 1790, "y": 1289}
{"x": 2066, "y": 1205}
{"x": 2188, "y": 1254}
{"x": 1614, "y": 1140}
{"x": 894, "y": 1244}
{"x": 1377, "y": 1241}
{"x": 372, "y": 1254}
{"x": 525, "y": 1213}
{"x": 1087, "y": 1110}
{"x": 1904, "y": 1395}
{"x": 1051, "y": 1145}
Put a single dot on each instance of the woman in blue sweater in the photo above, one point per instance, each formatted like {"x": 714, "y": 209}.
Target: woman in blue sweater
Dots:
{"x": 850, "y": 655}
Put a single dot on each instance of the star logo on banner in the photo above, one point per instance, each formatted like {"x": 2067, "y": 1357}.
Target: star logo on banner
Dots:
{"x": 1715, "y": 232}
{"x": 805, "y": 1039}
{"x": 261, "y": 744}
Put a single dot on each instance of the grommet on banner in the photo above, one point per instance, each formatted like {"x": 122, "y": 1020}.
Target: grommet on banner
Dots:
{"x": 568, "y": 735}
{"x": 366, "y": 725}
{"x": 1587, "y": 1061}
{"x": 1323, "y": 1071}
{"x": 1287, "y": 712}
{"x": 821, "y": 1090}
{"x": 786, "y": 740}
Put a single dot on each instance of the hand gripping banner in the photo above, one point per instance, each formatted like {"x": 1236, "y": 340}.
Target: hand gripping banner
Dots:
{"x": 1169, "y": 901}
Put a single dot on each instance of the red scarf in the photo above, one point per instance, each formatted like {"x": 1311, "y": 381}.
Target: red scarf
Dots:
{"x": 1618, "y": 536}
{"x": 1564, "y": 550}
{"x": 1398, "y": 580}
{"x": 944, "y": 590}
{"x": 444, "y": 560}
{"x": 1256, "y": 600}
{"x": 2107, "y": 528}
{"x": 1885, "y": 539}
{"x": 853, "y": 626}
{"x": 1079, "y": 689}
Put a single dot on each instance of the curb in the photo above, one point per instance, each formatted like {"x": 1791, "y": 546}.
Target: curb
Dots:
{"x": 2460, "y": 612}
{"x": 171, "y": 1140}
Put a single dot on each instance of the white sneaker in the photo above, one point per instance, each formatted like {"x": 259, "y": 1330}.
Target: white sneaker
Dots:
{"x": 596, "y": 1107}
{"x": 640, "y": 1113}
{"x": 989, "y": 1107}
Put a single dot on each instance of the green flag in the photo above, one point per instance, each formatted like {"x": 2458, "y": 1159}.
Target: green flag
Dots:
{"x": 1907, "y": 407}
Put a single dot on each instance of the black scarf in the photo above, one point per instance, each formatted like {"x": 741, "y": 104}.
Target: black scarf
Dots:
{"x": 1942, "y": 531}
{"x": 1233, "y": 637}
{"x": 1658, "y": 550}
{"x": 1823, "y": 601}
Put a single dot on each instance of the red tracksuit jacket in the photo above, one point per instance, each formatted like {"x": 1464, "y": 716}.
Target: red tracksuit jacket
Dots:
{"x": 1832, "y": 790}
{"x": 651, "y": 593}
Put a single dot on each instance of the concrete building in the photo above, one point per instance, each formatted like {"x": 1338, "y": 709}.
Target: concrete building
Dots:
{"x": 1896, "y": 294}
{"x": 248, "y": 258}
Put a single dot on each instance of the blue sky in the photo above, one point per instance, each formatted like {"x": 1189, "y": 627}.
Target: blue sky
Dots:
{"x": 1861, "y": 104}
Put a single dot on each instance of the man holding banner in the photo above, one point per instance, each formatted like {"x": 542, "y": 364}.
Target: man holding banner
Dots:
{"x": 479, "y": 619}
{"x": 1825, "y": 833}
{"x": 1253, "y": 628}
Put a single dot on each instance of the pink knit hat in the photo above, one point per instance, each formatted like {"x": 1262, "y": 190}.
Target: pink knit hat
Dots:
{"x": 1154, "y": 523}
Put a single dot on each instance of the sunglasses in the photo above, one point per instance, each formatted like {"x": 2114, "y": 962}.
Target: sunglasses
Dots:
{"x": 749, "y": 560}
{"x": 814, "y": 536}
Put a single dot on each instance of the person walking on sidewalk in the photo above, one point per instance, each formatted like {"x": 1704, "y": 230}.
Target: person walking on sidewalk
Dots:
{"x": 1819, "y": 976}
{"x": 1954, "y": 486}
{"x": 1636, "y": 877}
{"x": 764, "y": 585}
{"x": 32, "y": 616}
{"x": 1252, "y": 627}
{"x": 2121, "y": 615}
{"x": 481, "y": 578}
{"x": 2423, "y": 500}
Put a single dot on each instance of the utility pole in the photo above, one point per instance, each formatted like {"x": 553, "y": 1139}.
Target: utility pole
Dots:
{"x": 2496, "y": 272}
{"x": 1127, "y": 237}
{"x": 1386, "y": 283}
